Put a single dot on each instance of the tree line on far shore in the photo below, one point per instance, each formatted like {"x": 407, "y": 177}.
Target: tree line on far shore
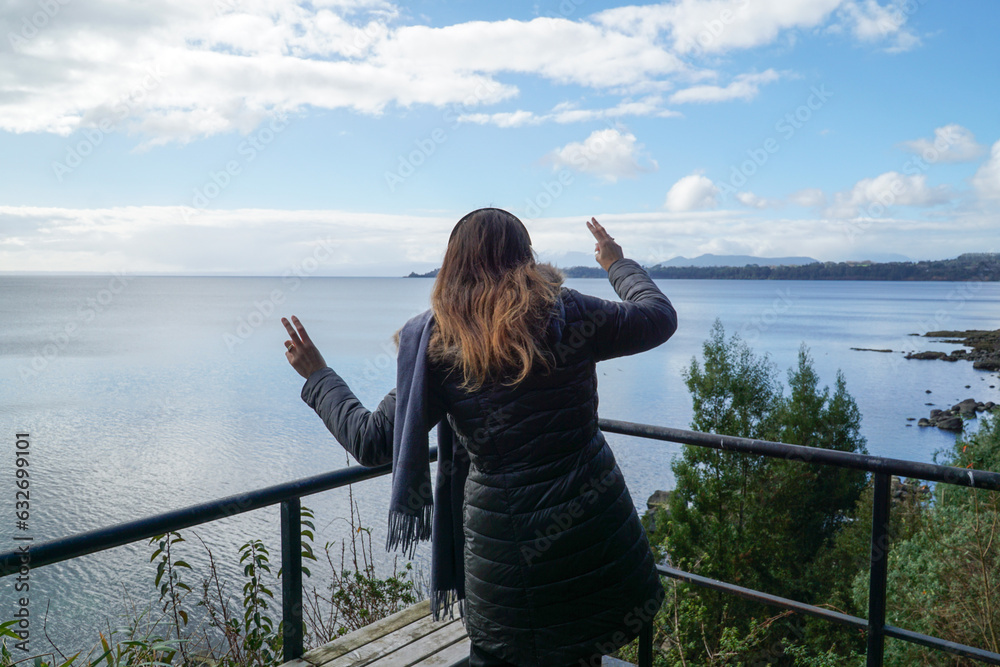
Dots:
{"x": 970, "y": 266}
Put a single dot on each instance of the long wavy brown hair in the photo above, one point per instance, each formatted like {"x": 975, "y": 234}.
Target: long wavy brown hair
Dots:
{"x": 492, "y": 301}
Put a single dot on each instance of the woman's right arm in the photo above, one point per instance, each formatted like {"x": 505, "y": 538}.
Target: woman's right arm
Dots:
{"x": 644, "y": 319}
{"x": 366, "y": 435}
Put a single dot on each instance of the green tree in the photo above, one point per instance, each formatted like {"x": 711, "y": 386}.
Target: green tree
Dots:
{"x": 754, "y": 521}
{"x": 944, "y": 579}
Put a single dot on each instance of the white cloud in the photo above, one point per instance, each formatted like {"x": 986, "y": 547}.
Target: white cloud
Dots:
{"x": 567, "y": 112}
{"x": 691, "y": 193}
{"x": 951, "y": 143}
{"x": 226, "y": 63}
{"x": 172, "y": 239}
{"x": 871, "y": 22}
{"x": 987, "y": 178}
{"x": 154, "y": 239}
{"x": 229, "y": 63}
{"x": 607, "y": 154}
{"x": 743, "y": 87}
{"x": 808, "y": 197}
{"x": 872, "y": 197}
{"x": 714, "y": 26}
{"x": 751, "y": 200}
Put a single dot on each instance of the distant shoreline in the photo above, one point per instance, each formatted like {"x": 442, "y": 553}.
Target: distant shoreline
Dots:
{"x": 969, "y": 267}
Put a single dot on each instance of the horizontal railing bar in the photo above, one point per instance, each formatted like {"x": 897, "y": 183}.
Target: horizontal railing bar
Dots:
{"x": 877, "y": 464}
{"x": 100, "y": 539}
{"x": 943, "y": 644}
{"x": 766, "y": 598}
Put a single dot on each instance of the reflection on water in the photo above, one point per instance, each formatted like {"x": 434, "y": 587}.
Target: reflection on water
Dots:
{"x": 171, "y": 391}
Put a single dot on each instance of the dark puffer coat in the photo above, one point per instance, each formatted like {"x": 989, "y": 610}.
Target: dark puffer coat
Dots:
{"x": 557, "y": 565}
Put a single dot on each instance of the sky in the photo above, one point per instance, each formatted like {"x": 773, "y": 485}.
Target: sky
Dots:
{"x": 346, "y": 137}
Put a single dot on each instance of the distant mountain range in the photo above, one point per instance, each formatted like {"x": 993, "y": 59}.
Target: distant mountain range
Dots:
{"x": 567, "y": 260}
{"x": 737, "y": 260}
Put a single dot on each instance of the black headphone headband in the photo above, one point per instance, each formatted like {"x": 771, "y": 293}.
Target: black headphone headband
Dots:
{"x": 480, "y": 210}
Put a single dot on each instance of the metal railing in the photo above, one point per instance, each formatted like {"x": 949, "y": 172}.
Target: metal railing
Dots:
{"x": 290, "y": 493}
{"x": 882, "y": 469}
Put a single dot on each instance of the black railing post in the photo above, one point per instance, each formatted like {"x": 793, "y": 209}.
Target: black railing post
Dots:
{"x": 879, "y": 569}
{"x": 291, "y": 578}
{"x": 646, "y": 645}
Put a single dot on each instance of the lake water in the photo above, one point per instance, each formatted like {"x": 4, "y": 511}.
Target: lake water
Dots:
{"x": 143, "y": 394}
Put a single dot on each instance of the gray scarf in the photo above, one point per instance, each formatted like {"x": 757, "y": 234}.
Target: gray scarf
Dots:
{"x": 414, "y": 513}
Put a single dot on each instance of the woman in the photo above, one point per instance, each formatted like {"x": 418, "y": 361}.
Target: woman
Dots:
{"x": 552, "y": 563}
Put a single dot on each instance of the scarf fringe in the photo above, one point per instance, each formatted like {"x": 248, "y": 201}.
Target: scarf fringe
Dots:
{"x": 446, "y": 599}
{"x": 405, "y": 530}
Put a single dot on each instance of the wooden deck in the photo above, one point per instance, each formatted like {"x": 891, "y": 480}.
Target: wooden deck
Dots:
{"x": 408, "y": 638}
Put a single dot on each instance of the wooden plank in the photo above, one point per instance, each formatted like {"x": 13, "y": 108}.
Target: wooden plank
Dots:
{"x": 350, "y": 642}
{"x": 456, "y": 655}
{"x": 411, "y": 654}
{"x": 363, "y": 655}
{"x": 298, "y": 662}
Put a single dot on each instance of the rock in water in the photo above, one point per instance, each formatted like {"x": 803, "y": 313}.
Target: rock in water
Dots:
{"x": 950, "y": 424}
{"x": 966, "y": 408}
{"x": 658, "y": 499}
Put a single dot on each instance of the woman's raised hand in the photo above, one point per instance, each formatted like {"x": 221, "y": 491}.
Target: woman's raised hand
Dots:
{"x": 606, "y": 251}
{"x": 300, "y": 350}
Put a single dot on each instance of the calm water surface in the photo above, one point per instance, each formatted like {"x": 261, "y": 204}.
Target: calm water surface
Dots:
{"x": 143, "y": 394}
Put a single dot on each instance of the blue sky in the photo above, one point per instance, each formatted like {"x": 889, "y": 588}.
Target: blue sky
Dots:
{"x": 245, "y": 136}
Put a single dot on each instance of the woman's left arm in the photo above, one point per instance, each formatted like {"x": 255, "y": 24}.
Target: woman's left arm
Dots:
{"x": 366, "y": 435}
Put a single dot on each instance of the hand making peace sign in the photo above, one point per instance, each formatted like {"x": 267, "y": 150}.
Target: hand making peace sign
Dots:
{"x": 300, "y": 350}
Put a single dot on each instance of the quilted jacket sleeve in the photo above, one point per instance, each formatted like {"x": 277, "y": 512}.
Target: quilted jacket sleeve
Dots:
{"x": 365, "y": 434}
{"x": 643, "y": 319}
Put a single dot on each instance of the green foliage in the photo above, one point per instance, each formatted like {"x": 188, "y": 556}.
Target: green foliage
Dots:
{"x": 944, "y": 578}
{"x": 803, "y": 656}
{"x": 172, "y": 590}
{"x": 357, "y": 595}
{"x": 757, "y": 522}
{"x": 138, "y": 644}
{"x": 250, "y": 636}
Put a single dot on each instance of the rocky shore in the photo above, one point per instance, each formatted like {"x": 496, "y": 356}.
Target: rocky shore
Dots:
{"x": 954, "y": 418}
{"x": 985, "y": 353}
